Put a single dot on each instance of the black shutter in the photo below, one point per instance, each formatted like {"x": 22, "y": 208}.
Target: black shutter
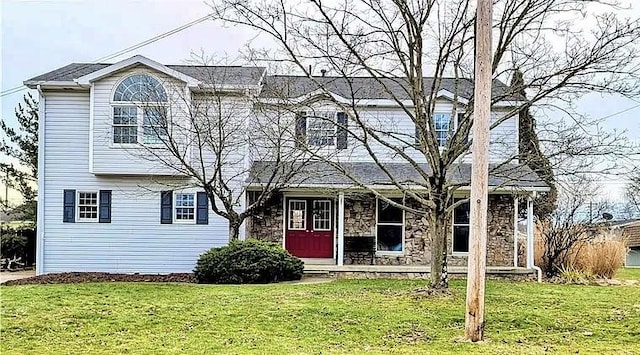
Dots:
{"x": 69, "y": 209}
{"x": 341, "y": 138}
{"x": 465, "y": 139}
{"x": 105, "y": 206}
{"x": 301, "y": 129}
{"x": 202, "y": 212}
{"x": 166, "y": 207}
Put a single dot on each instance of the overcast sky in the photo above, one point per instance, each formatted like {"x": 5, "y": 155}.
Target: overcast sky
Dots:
{"x": 39, "y": 36}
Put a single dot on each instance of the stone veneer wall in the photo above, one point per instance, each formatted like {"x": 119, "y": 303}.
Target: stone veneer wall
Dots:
{"x": 360, "y": 220}
{"x": 267, "y": 224}
{"x": 360, "y": 217}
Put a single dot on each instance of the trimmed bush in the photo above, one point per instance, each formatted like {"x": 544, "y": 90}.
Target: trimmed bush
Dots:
{"x": 250, "y": 261}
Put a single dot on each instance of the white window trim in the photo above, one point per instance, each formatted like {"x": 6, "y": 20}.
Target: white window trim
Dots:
{"x": 453, "y": 225}
{"x": 313, "y": 219}
{"x": 175, "y": 208}
{"x": 389, "y": 252}
{"x": 87, "y": 220}
{"x": 289, "y": 215}
{"x": 317, "y": 113}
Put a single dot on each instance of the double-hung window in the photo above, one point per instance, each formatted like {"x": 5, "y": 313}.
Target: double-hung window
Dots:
{"x": 154, "y": 124}
{"x": 442, "y": 123}
{"x": 185, "y": 208}
{"x": 139, "y": 111}
{"x": 321, "y": 129}
{"x": 461, "y": 227}
{"x": 125, "y": 124}
{"x": 87, "y": 206}
{"x": 389, "y": 227}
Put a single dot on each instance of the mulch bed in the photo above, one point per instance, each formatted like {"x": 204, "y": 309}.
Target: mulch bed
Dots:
{"x": 79, "y": 277}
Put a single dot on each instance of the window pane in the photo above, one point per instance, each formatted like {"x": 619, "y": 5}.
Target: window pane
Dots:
{"x": 389, "y": 238}
{"x": 154, "y": 124}
{"x": 321, "y": 129}
{"x": 461, "y": 214}
{"x": 125, "y": 124}
{"x": 441, "y": 121}
{"x": 322, "y": 215}
{"x": 88, "y": 205}
{"x": 185, "y": 200}
{"x": 125, "y": 115}
{"x": 461, "y": 239}
{"x": 140, "y": 88}
{"x": 388, "y": 213}
{"x": 297, "y": 215}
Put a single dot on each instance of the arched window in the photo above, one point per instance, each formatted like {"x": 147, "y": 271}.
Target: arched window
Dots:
{"x": 140, "y": 88}
{"x": 139, "y": 111}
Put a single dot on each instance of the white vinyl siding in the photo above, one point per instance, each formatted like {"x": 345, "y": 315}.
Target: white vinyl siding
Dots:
{"x": 395, "y": 127}
{"x": 128, "y": 157}
{"x": 134, "y": 241}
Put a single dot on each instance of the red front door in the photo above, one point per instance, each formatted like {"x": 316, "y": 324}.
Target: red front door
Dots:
{"x": 309, "y": 227}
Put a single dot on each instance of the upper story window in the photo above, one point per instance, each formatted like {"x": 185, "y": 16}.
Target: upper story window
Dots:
{"x": 443, "y": 123}
{"x": 139, "y": 111}
{"x": 322, "y": 129}
{"x": 140, "y": 88}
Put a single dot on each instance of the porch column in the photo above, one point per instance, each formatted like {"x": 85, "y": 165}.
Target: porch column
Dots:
{"x": 341, "y": 229}
{"x": 515, "y": 231}
{"x": 529, "y": 231}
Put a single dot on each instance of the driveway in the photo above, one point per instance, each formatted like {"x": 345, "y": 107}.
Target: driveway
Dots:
{"x": 15, "y": 275}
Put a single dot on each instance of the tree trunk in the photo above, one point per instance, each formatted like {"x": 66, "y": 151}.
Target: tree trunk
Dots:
{"x": 234, "y": 229}
{"x": 437, "y": 225}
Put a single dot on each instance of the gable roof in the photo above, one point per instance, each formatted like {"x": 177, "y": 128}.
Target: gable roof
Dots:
{"x": 207, "y": 75}
{"x": 287, "y": 86}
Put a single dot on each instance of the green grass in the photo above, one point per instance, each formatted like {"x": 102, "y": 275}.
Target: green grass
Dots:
{"x": 377, "y": 316}
{"x": 628, "y": 274}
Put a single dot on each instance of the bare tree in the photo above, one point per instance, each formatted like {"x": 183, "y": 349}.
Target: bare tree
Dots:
{"x": 632, "y": 194}
{"x": 398, "y": 43}
{"x": 209, "y": 138}
{"x": 572, "y": 224}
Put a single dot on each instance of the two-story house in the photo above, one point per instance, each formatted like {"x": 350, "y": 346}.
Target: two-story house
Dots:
{"x": 106, "y": 205}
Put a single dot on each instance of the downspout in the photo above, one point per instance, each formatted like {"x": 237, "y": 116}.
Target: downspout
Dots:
{"x": 515, "y": 230}
{"x": 41, "y": 185}
{"x": 530, "y": 238}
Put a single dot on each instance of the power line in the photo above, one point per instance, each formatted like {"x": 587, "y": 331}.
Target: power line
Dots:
{"x": 126, "y": 50}
{"x": 620, "y": 112}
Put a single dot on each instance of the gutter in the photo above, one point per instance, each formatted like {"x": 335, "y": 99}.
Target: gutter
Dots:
{"x": 530, "y": 238}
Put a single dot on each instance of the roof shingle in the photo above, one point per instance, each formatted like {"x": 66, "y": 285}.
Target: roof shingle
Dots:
{"x": 231, "y": 75}
{"x": 369, "y": 173}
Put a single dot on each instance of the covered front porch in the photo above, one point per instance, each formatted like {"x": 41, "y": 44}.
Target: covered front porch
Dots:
{"x": 347, "y": 230}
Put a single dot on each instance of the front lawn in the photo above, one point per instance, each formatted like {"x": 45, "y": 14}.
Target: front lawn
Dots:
{"x": 378, "y": 316}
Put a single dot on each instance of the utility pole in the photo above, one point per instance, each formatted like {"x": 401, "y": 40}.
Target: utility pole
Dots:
{"x": 474, "y": 318}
